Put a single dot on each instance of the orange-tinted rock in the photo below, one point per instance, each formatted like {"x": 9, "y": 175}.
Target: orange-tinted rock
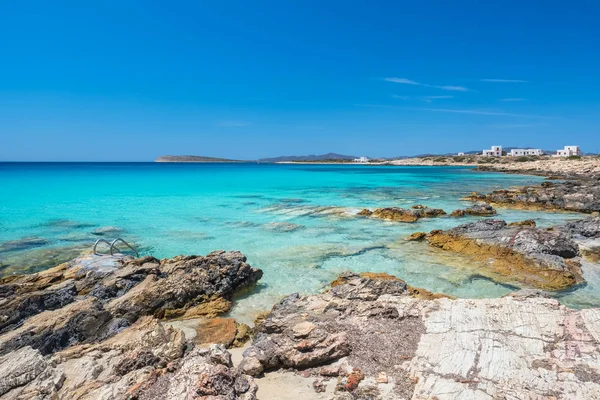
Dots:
{"x": 531, "y": 256}
{"x": 528, "y": 222}
{"x": 417, "y": 236}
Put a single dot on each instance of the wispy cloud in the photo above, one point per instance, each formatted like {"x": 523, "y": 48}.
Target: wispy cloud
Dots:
{"x": 427, "y": 99}
{"x": 481, "y": 112}
{"x": 411, "y": 82}
{"x": 402, "y": 80}
{"x": 504, "y": 80}
{"x": 513, "y": 99}
{"x": 514, "y": 126}
{"x": 436, "y": 97}
{"x": 232, "y": 124}
{"x": 456, "y": 88}
{"x": 457, "y": 111}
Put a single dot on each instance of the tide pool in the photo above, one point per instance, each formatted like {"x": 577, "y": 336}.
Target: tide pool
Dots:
{"x": 296, "y": 222}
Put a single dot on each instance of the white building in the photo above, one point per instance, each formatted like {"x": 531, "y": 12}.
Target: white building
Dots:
{"x": 361, "y": 160}
{"x": 461, "y": 154}
{"x": 526, "y": 152}
{"x": 496, "y": 151}
{"x": 568, "y": 151}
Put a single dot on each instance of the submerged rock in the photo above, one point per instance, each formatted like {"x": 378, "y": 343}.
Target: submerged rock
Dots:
{"x": 536, "y": 257}
{"x": 23, "y": 243}
{"x": 39, "y": 259}
{"x": 398, "y": 214}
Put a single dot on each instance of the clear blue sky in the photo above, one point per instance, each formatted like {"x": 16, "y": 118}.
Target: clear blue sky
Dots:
{"x": 132, "y": 80}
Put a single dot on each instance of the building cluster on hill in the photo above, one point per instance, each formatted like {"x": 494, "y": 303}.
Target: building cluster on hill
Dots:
{"x": 496, "y": 151}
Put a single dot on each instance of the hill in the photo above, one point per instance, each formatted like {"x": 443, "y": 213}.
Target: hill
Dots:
{"x": 193, "y": 159}
{"x": 309, "y": 158}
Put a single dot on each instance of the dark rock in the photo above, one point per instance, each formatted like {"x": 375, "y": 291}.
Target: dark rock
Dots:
{"x": 573, "y": 195}
{"x": 95, "y": 297}
{"x": 480, "y": 210}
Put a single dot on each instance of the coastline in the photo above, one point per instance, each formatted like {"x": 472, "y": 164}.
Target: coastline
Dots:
{"x": 367, "y": 334}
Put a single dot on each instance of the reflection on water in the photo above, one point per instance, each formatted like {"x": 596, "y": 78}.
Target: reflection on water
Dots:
{"x": 297, "y": 223}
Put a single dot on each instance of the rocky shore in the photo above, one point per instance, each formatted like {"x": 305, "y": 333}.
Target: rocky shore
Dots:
{"x": 113, "y": 327}
{"x": 543, "y": 258}
{"x": 583, "y": 167}
{"x": 97, "y": 327}
{"x": 571, "y": 195}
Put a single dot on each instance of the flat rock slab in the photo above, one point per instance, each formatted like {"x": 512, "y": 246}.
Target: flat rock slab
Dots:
{"x": 400, "y": 346}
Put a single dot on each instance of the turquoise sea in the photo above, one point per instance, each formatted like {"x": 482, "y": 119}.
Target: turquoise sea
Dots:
{"x": 296, "y": 222}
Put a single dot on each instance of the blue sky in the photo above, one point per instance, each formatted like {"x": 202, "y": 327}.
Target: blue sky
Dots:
{"x": 132, "y": 80}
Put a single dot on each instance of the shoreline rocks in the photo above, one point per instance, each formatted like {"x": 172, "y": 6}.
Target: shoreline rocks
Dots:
{"x": 540, "y": 258}
{"x": 96, "y": 327}
{"x": 94, "y": 297}
{"x": 579, "y": 196}
{"x": 397, "y": 346}
{"x": 478, "y": 210}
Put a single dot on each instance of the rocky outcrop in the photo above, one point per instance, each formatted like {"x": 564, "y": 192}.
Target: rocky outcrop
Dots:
{"x": 93, "y": 328}
{"x": 94, "y": 297}
{"x": 535, "y": 257}
{"x": 586, "y": 233}
{"x": 400, "y": 346}
{"x": 479, "y": 210}
{"x": 146, "y": 361}
{"x": 580, "y": 196}
{"x": 398, "y": 214}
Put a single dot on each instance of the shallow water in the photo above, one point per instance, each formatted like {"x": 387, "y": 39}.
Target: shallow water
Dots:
{"x": 294, "y": 221}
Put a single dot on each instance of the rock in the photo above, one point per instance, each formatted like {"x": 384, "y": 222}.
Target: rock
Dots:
{"x": 23, "y": 243}
{"x": 480, "y": 210}
{"x": 39, "y": 259}
{"x": 107, "y": 230}
{"x": 205, "y": 373}
{"x": 365, "y": 212}
{"x": 350, "y": 383}
{"x": 572, "y": 195}
{"x": 283, "y": 226}
{"x": 382, "y": 378}
{"x": 94, "y": 297}
{"x": 303, "y": 329}
{"x": 319, "y": 386}
{"x": 417, "y": 236}
{"x": 528, "y": 223}
{"x": 19, "y": 368}
{"x": 536, "y": 257}
{"x": 522, "y": 346}
{"x": 405, "y": 215}
{"x": 223, "y": 331}
{"x": 588, "y": 228}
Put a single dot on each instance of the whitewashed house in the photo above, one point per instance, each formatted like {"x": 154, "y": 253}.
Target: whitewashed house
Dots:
{"x": 461, "y": 154}
{"x": 361, "y": 160}
{"x": 568, "y": 151}
{"x": 495, "y": 151}
{"x": 526, "y": 152}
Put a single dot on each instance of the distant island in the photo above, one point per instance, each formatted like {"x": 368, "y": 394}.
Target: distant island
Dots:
{"x": 198, "y": 159}
{"x": 329, "y": 157}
